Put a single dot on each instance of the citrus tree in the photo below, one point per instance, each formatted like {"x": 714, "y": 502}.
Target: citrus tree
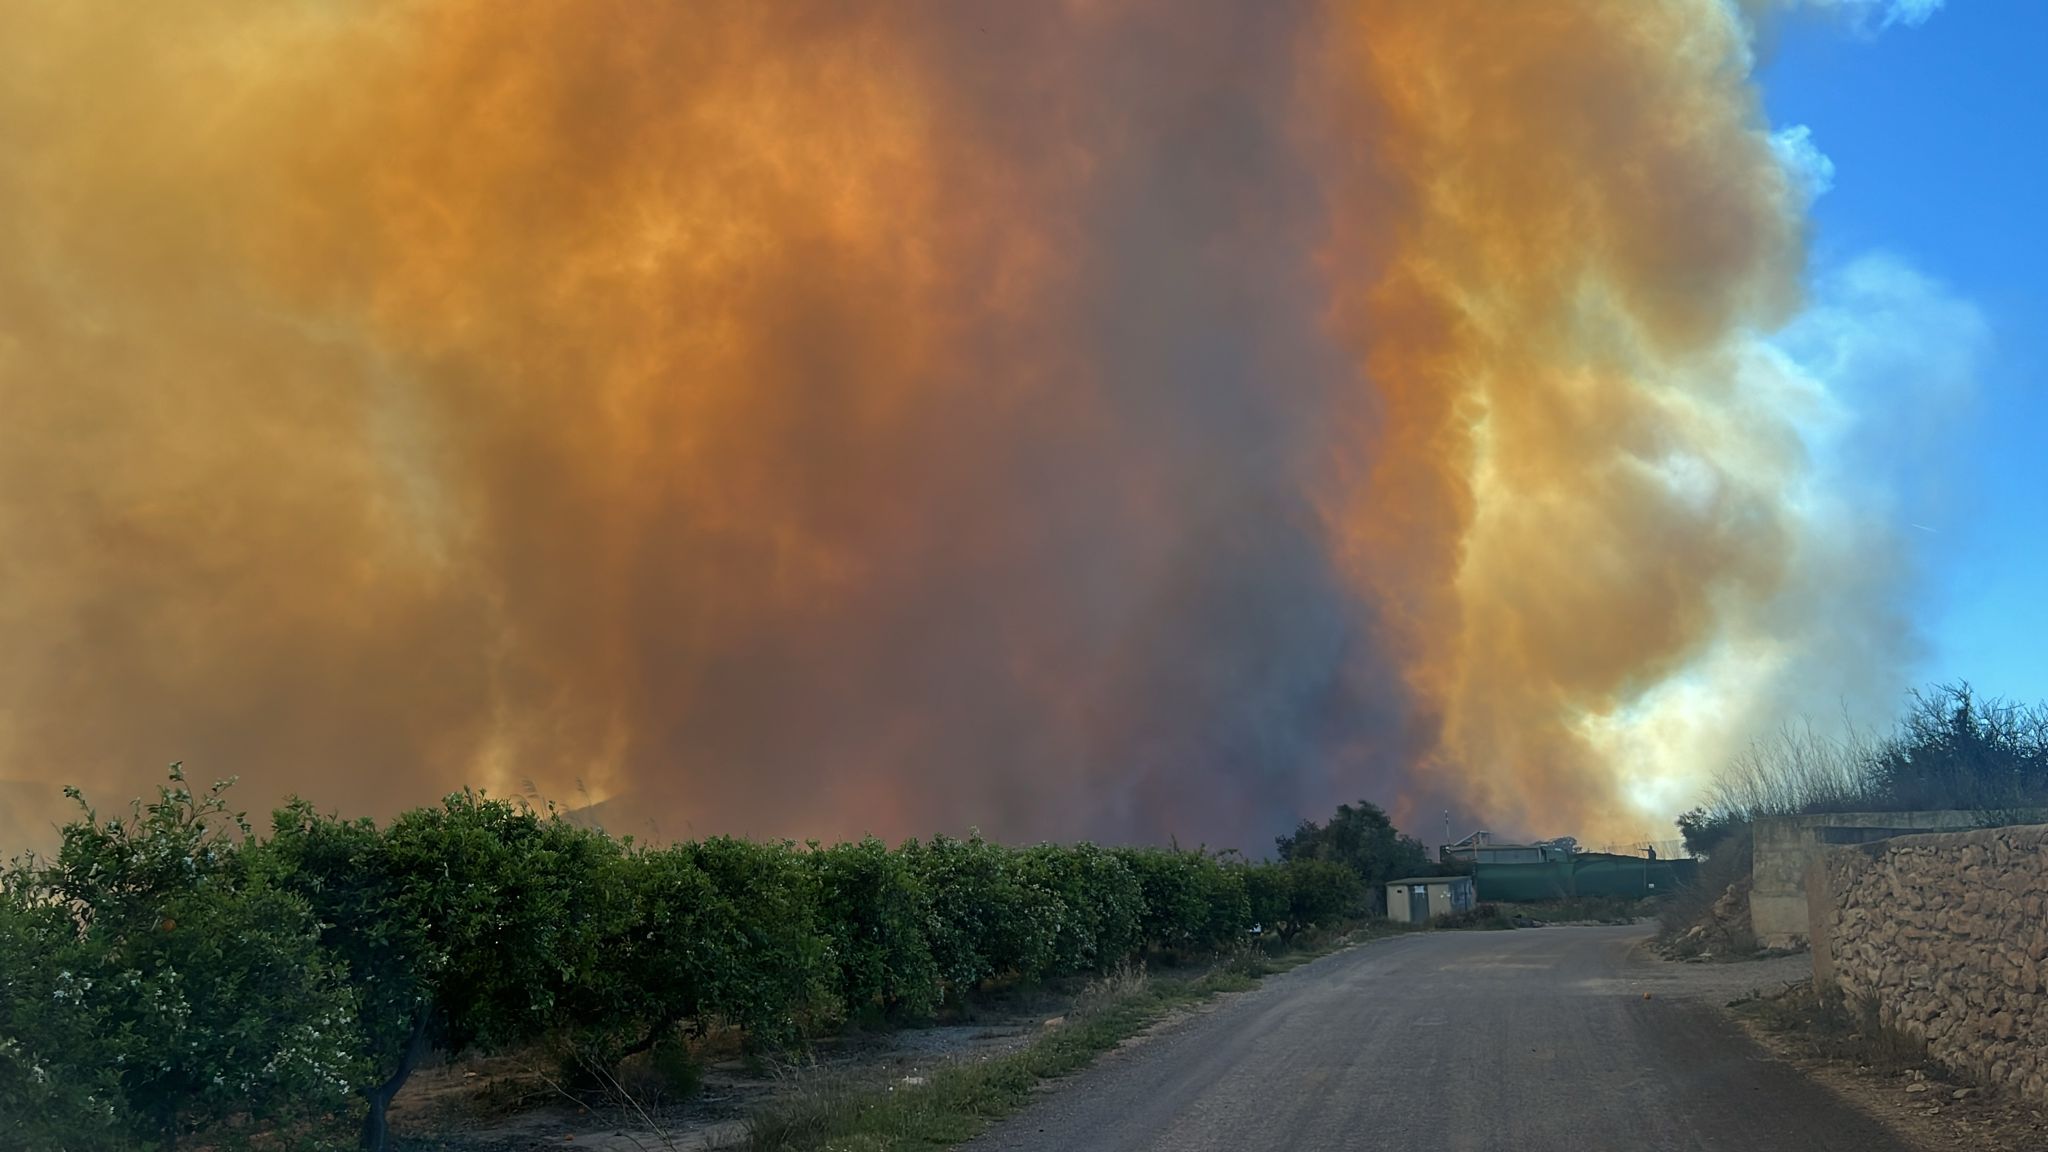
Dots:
{"x": 191, "y": 993}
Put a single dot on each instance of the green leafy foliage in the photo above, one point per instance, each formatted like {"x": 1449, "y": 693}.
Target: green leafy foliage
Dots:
{"x": 1321, "y": 893}
{"x": 1704, "y": 830}
{"x": 1100, "y": 906}
{"x": 1360, "y": 837}
{"x": 656, "y": 968}
{"x": 1193, "y": 902}
{"x": 987, "y": 919}
{"x": 876, "y": 911}
{"x": 171, "y": 975}
{"x": 477, "y": 920}
{"x": 343, "y": 871}
{"x": 1174, "y": 907}
{"x": 515, "y": 909}
{"x": 1228, "y": 911}
{"x": 1269, "y": 898}
{"x": 764, "y": 960}
{"x": 58, "y": 1089}
{"x": 191, "y": 994}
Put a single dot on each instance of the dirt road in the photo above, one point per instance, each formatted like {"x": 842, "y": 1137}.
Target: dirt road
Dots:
{"x": 1534, "y": 1040}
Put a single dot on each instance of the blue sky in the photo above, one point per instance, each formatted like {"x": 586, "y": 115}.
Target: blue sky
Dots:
{"x": 1936, "y": 136}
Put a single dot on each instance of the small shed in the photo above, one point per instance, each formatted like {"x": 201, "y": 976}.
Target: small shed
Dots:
{"x": 1419, "y": 899}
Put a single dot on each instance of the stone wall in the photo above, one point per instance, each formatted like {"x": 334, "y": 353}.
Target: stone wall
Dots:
{"x": 1947, "y": 934}
{"x": 1787, "y": 846}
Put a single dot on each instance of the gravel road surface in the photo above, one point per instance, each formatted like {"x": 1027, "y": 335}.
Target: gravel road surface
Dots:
{"x": 1539, "y": 1040}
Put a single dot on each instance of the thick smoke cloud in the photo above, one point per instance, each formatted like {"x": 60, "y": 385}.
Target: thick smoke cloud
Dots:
{"x": 1124, "y": 420}
{"x": 1591, "y": 520}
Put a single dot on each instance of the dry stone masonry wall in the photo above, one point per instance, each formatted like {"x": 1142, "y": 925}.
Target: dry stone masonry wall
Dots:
{"x": 1947, "y": 934}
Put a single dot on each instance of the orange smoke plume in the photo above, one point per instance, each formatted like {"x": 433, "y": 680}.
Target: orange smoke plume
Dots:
{"x": 1578, "y": 492}
{"x": 1068, "y": 419}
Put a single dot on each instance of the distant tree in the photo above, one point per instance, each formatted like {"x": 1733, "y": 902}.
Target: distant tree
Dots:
{"x": 1956, "y": 750}
{"x": 1952, "y": 749}
{"x": 1360, "y": 837}
{"x": 1705, "y": 829}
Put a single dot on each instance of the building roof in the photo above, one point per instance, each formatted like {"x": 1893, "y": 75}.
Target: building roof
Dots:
{"x": 1430, "y": 880}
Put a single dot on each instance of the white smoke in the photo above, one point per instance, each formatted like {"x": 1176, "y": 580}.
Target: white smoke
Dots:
{"x": 1878, "y": 15}
{"x": 1811, "y": 170}
{"x": 1877, "y": 375}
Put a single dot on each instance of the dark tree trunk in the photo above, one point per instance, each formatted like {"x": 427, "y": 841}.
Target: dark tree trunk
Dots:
{"x": 376, "y": 1126}
{"x": 654, "y": 1036}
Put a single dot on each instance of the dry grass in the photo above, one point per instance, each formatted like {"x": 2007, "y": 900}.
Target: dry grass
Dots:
{"x": 1586, "y": 910}
{"x": 1729, "y": 865}
{"x": 1824, "y": 1025}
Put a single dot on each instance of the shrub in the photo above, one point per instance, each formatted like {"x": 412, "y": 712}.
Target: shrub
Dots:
{"x": 59, "y": 1085}
{"x": 1193, "y": 902}
{"x": 1322, "y": 892}
{"x": 764, "y": 962}
{"x": 515, "y": 911}
{"x": 1362, "y": 838}
{"x": 650, "y": 976}
{"x": 169, "y": 974}
{"x": 876, "y": 912}
{"x": 1268, "y": 897}
{"x": 341, "y": 869}
{"x": 198, "y": 981}
{"x": 987, "y": 919}
{"x": 1101, "y": 907}
{"x": 1704, "y": 831}
{"x": 721, "y": 931}
{"x": 478, "y": 920}
{"x": 1228, "y": 912}
{"x": 1176, "y": 908}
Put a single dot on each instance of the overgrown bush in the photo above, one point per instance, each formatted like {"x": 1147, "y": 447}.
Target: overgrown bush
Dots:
{"x": 1175, "y": 908}
{"x": 1321, "y": 893}
{"x": 1228, "y": 919}
{"x": 1270, "y": 898}
{"x": 1704, "y": 831}
{"x": 1193, "y": 902}
{"x": 59, "y": 1084}
{"x": 1100, "y": 905}
{"x": 1951, "y": 749}
{"x": 877, "y": 911}
{"x": 479, "y": 920}
{"x": 987, "y": 918}
{"x": 189, "y": 994}
{"x": 1362, "y": 838}
{"x": 765, "y": 961}
{"x": 1725, "y": 869}
{"x": 170, "y": 974}
{"x": 342, "y": 869}
{"x": 653, "y": 975}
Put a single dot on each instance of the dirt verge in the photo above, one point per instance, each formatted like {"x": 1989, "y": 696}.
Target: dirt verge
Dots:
{"x": 1772, "y": 1000}
{"x": 511, "y": 1103}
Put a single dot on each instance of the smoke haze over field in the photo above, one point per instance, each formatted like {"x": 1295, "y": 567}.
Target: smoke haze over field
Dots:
{"x": 1084, "y": 419}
